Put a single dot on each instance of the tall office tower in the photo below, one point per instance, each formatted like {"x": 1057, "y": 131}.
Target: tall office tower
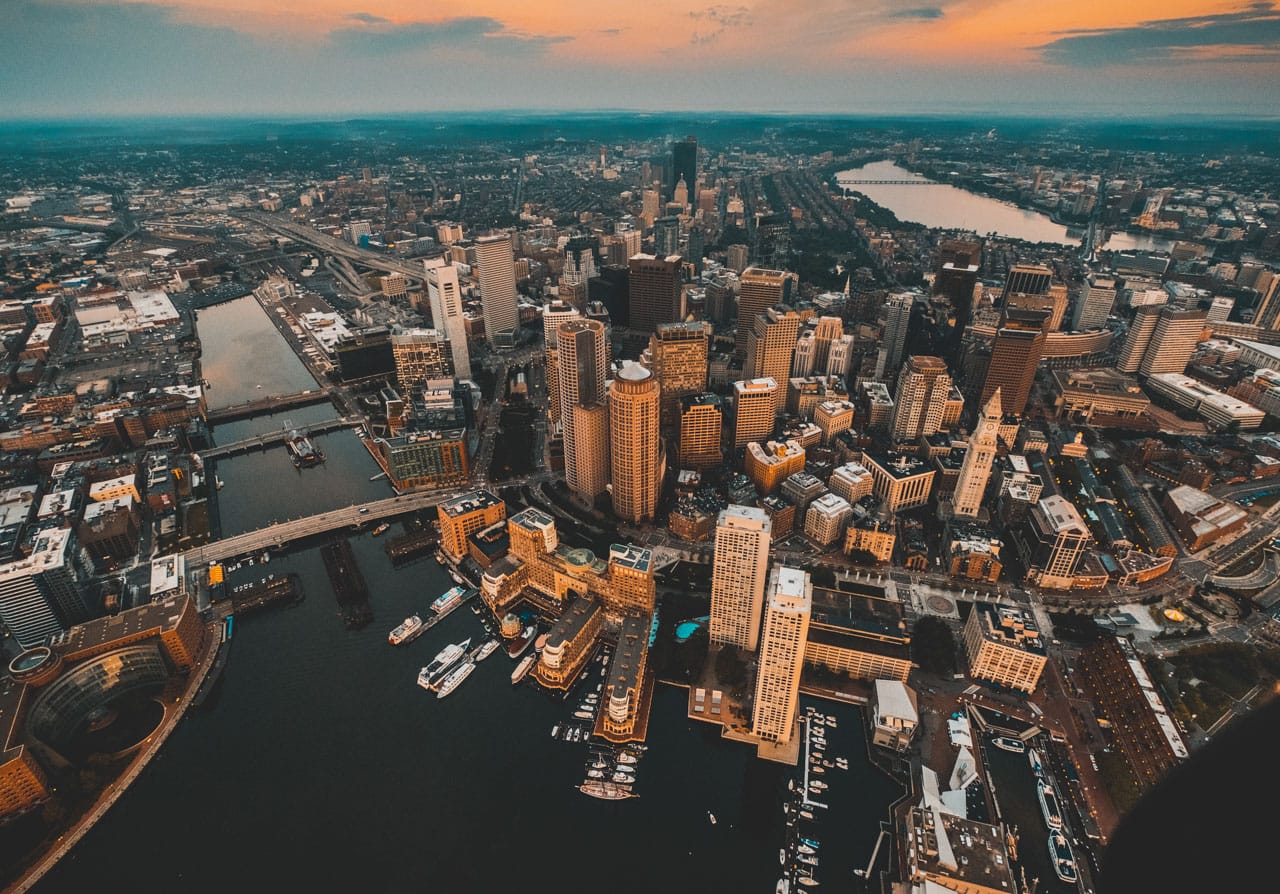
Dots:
{"x": 755, "y": 408}
{"x": 1173, "y": 342}
{"x": 758, "y": 290}
{"x": 737, "y": 257}
{"x": 1029, "y": 279}
{"x": 1093, "y": 304}
{"x": 420, "y": 354}
{"x": 684, "y": 163}
{"x": 581, "y": 254}
{"x": 678, "y": 357}
{"x": 825, "y": 331}
{"x": 445, "y": 298}
{"x": 1015, "y": 355}
{"x": 923, "y": 389}
{"x": 770, "y": 343}
{"x": 841, "y": 356}
{"x": 897, "y": 320}
{"x": 1053, "y": 303}
{"x": 738, "y": 575}
{"x": 701, "y": 421}
{"x": 634, "y": 444}
{"x": 696, "y": 248}
{"x": 40, "y": 593}
{"x": 1138, "y": 338}
{"x": 651, "y": 201}
{"x": 786, "y": 631}
{"x": 772, "y": 241}
{"x": 553, "y": 314}
{"x": 802, "y": 358}
{"x": 497, "y": 274}
{"x": 655, "y": 292}
{"x": 666, "y": 236}
{"x": 720, "y": 297}
{"x": 1268, "y": 285}
{"x": 975, "y": 471}
{"x": 581, "y": 362}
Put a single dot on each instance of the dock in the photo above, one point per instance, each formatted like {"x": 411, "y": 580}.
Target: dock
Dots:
{"x": 412, "y": 545}
{"x": 348, "y": 583}
{"x": 266, "y": 593}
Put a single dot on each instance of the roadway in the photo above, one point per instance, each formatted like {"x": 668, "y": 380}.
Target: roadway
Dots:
{"x": 324, "y": 242}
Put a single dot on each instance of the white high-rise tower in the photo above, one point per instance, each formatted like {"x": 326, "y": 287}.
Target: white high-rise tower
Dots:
{"x": 976, "y": 468}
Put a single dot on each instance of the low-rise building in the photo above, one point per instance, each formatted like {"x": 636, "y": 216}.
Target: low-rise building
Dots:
{"x": 769, "y": 463}
{"x": 462, "y": 516}
{"x": 569, "y": 643}
{"x": 894, "y": 714}
{"x": 859, "y": 629}
{"x": 1003, "y": 645}
{"x": 825, "y": 518}
{"x": 902, "y": 481}
{"x": 1201, "y": 519}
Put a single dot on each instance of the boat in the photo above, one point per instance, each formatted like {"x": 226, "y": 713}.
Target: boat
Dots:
{"x": 808, "y": 881}
{"x": 455, "y": 678}
{"x": 623, "y": 778}
{"x": 517, "y": 645}
{"x": 818, "y": 770}
{"x": 711, "y": 816}
{"x": 582, "y": 715}
{"x": 486, "y": 649}
{"x": 804, "y": 848}
{"x": 555, "y": 731}
{"x": 381, "y": 529}
{"x": 594, "y": 774}
{"x": 606, "y": 790}
{"x": 626, "y": 758}
{"x": 443, "y": 660}
{"x": 806, "y": 814}
{"x": 522, "y": 669}
{"x": 1034, "y": 759}
{"x": 1049, "y": 805}
{"x": 818, "y": 784}
{"x": 1064, "y": 864}
{"x": 812, "y": 842}
{"x": 448, "y": 599}
{"x": 406, "y": 630}
{"x": 218, "y": 482}
{"x": 303, "y": 453}
{"x": 457, "y": 578}
{"x": 1008, "y": 743}
{"x": 783, "y": 887}
{"x": 807, "y": 860}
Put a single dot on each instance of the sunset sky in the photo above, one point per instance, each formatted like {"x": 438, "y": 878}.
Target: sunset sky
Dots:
{"x": 340, "y": 57}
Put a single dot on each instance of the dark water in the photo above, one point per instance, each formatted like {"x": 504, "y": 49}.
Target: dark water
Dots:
{"x": 230, "y": 432}
{"x": 946, "y": 206}
{"x": 321, "y": 766}
{"x": 1016, "y": 791}
{"x": 241, "y": 350}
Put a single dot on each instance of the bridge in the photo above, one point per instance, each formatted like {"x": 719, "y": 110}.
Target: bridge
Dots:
{"x": 276, "y": 536}
{"x": 325, "y": 242}
{"x": 267, "y": 405}
{"x": 273, "y": 438}
{"x": 889, "y": 183}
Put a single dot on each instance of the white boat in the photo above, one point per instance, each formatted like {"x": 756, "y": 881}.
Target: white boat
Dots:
{"x": 807, "y": 860}
{"x": 406, "y": 630}
{"x": 1034, "y": 758}
{"x": 711, "y": 816}
{"x": 457, "y": 578}
{"x": 783, "y": 887}
{"x": 1049, "y": 805}
{"x": 626, "y": 758}
{"x": 804, "y": 848}
{"x": 818, "y": 784}
{"x": 818, "y": 770}
{"x": 448, "y": 599}
{"x": 455, "y": 678}
{"x": 806, "y": 814}
{"x": 555, "y": 730}
{"x": 1009, "y": 743}
{"x": 1064, "y": 864}
{"x": 427, "y": 677}
{"x": 486, "y": 649}
{"x": 523, "y": 668}
{"x": 808, "y": 881}
{"x": 594, "y": 774}
{"x": 582, "y": 715}
{"x": 623, "y": 778}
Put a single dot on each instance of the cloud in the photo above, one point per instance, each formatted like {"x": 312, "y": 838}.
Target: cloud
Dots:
{"x": 720, "y": 19}
{"x": 469, "y": 32}
{"x": 1252, "y": 33}
{"x": 920, "y": 12}
{"x": 368, "y": 18}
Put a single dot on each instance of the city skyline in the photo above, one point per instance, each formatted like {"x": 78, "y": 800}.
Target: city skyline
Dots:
{"x": 225, "y": 57}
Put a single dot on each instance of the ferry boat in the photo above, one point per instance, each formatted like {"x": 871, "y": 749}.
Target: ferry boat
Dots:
{"x": 448, "y": 599}
{"x": 303, "y": 453}
{"x": 519, "y": 644}
{"x": 486, "y": 649}
{"x": 1049, "y": 805}
{"x": 1034, "y": 759}
{"x": 1060, "y": 856}
{"x": 437, "y": 679}
{"x": 444, "y": 659}
{"x": 406, "y": 631}
{"x": 381, "y": 529}
{"x": 1008, "y": 743}
{"x": 522, "y": 669}
{"x": 455, "y": 678}
{"x": 606, "y": 790}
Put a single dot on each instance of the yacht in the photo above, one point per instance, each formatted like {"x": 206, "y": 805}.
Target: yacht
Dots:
{"x": 406, "y": 631}
{"x": 806, "y": 814}
{"x": 1049, "y": 805}
{"x": 442, "y": 662}
{"x": 487, "y": 649}
{"x": 807, "y": 860}
{"x": 818, "y": 784}
{"x": 555, "y": 730}
{"x": 1034, "y": 759}
{"x": 595, "y": 774}
{"x": 626, "y": 757}
{"x": 1064, "y": 863}
{"x": 808, "y": 881}
{"x": 1009, "y": 743}
{"x": 804, "y": 848}
{"x": 448, "y": 599}
{"x": 812, "y": 842}
{"x": 517, "y": 646}
{"x": 606, "y": 790}
{"x": 455, "y": 678}
{"x": 523, "y": 668}
{"x": 623, "y": 777}
{"x": 582, "y": 715}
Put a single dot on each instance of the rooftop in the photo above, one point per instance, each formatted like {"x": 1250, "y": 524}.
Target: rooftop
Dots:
{"x": 472, "y": 502}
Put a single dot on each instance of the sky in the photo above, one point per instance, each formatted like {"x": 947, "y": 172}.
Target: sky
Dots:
{"x": 327, "y": 58}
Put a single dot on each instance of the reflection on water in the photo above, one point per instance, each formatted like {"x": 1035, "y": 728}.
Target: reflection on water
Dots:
{"x": 947, "y": 207}
{"x": 241, "y": 349}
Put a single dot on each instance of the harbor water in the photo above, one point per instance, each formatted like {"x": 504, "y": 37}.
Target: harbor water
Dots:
{"x": 244, "y": 357}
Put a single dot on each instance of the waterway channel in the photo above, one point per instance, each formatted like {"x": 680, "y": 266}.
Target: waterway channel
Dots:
{"x": 243, "y": 357}
{"x": 944, "y": 206}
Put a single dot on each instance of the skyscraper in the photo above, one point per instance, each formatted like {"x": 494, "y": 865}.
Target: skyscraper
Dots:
{"x": 1015, "y": 356}
{"x": 923, "y": 389}
{"x": 445, "y": 299}
{"x": 678, "y": 357}
{"x": 1093, "y": 304}
{"x": 755, "y": 408}
{"x": 785, "y": 634}
{"x": 1029, "y": 279}
{"x": 825, "y": 331}
{"x": 496, "y": 265}
{"x": 897, "y": 320}
{"x": 1173, "y": 342}
{"x": 684, "y": 164}
{"x": 656, "y": 294}
{"x": 772, "y": 241}
{"x": 666, "y": 236}
{"x": 760, "y": 289}
{"x": 581, "y": 366}
{"x": 771, "y": 343}
{"x": 701, "y": 421}
{"x": 976, "y": 468}
{"x": 420, "y": 355}
{"x": 634, "y": 445}
{"x": 738, "y": 576}
{"x": 553, "y": 315}
{"x": 1138, "y": 338}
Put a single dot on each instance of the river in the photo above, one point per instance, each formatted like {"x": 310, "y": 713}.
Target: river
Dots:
{"x": 320, "y": 765}
{"x": 943, "y": 206}
{"x": 243, "y": 357}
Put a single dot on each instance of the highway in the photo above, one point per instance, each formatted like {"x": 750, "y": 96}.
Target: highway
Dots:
{"x": 337, "y": 247}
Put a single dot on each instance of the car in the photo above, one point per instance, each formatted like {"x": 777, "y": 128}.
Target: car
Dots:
{"x": 364, "y": 509}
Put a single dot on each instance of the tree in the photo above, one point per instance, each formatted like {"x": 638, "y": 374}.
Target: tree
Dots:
{"x": 730, "y": 669}
{"x": 933, "y": 646}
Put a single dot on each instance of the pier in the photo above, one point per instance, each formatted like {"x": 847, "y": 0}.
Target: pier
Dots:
{"x": 266, "y": 593}
{"x": 275, "y": 438}
{"x": 348, "y": 583}
{"x": 412, "y": 545}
